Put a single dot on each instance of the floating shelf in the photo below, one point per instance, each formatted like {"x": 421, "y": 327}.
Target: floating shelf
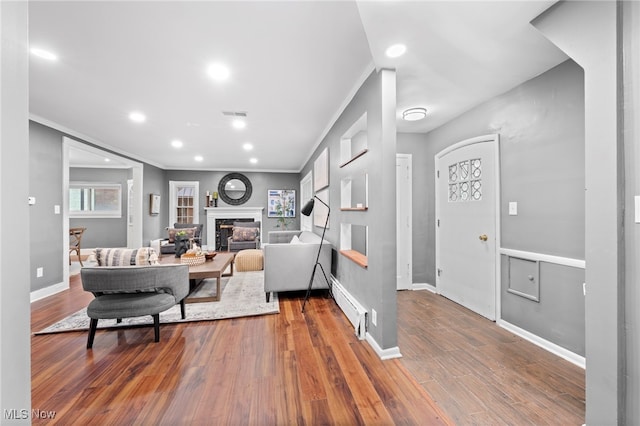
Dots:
{"x": 355, "y": 256}
{"x": 355, "y": 157}
{"x": 354, "y": 209}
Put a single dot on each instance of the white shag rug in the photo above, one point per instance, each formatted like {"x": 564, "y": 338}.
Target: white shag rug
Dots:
{"x": 242, "y": 295}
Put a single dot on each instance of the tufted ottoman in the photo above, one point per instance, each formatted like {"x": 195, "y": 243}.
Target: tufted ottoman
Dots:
{"x": 249, "y": 260}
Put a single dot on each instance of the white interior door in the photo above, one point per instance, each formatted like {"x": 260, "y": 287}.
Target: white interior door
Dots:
{"x": 466, "y": 224}
{"x": 404, "y": 241}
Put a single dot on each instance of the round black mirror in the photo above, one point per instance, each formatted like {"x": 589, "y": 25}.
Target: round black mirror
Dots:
{"x": 235, "y": 189}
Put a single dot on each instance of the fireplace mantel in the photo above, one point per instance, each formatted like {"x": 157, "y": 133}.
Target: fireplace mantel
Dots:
{"x": 214, "y": 213}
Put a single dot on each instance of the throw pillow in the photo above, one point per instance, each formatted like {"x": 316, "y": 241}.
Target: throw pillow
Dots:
{"x": 244, "y": 234}
{"x": 295, "y": 240}
{"x": 126, "y": 257}
{"x": 191, "y": 232}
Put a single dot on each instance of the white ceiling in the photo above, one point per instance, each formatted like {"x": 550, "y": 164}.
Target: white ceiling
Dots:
{"x": 293, "y": 66}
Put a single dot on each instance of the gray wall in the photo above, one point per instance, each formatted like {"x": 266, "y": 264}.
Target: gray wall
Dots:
{"x": 15, "y": 228}
{"x": 102, "y": 232}
{"x": 260, "y": 182}
{"x": 154, "y": 182}
{"x": 45, "y": 183}
{"x": 374, "y": 287}
{"x": 541, "y": 127}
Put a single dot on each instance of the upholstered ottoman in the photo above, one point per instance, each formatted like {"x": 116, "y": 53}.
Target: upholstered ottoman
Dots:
{"x": 249, "y": 260}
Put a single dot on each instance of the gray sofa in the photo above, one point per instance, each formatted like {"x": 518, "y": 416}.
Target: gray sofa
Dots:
{"x": 288, "y": 266}
{"x": 134, "y": 291}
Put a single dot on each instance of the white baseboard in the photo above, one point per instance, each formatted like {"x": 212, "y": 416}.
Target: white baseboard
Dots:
{"x": 48, "y": 291}
{"x": 424, "y": 286}
{"x": 384, "y": 354}
{"x": 572, "y": 357}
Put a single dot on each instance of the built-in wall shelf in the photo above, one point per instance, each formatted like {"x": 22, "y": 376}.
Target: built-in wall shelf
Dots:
{"x": 355, "y": 256}
{"x": 354, "y": 209}
{"x": 355, "y": 157}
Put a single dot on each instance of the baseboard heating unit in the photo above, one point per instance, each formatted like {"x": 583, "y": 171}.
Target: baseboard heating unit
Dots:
{"x": 354, "y": 311}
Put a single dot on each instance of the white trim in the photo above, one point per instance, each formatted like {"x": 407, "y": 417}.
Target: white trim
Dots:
{"x": 540, "y": 257}
{"x": 101, "y": 145}
{"x": 424, "y": 286}
{"x": 384, "y": 354}
{"x": 134, "y": 233}
{"x": 214, "y": 213}
{"x": 566, "y": 354}
{"x": 409, "y": 233}
{"x": 173, "y": 194}
{"x": 48, "y": 291}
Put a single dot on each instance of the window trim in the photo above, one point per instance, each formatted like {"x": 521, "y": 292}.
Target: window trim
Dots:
{"x": 115, "y": 213}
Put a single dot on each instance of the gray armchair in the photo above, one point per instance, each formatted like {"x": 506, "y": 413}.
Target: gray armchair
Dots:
{"x": 170, "y": 247}
{"x": 134, "y": 291}
{"x": 243, "y": 244}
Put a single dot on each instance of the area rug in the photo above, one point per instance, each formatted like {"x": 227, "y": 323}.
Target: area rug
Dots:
{"x": 242, "y": 295}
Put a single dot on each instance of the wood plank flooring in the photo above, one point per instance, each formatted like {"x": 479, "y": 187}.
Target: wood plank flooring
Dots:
{"x": 479, "y": 373}
{"x": 284, "y": 369}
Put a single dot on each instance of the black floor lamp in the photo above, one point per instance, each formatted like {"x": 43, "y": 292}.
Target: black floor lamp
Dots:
{"x": 306, "y": 210}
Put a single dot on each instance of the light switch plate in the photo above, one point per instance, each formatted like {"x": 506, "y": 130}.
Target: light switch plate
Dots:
{"x": 513, "y": 208}
{"x": 637, "y": 200}
{"x": 31, "y": 200}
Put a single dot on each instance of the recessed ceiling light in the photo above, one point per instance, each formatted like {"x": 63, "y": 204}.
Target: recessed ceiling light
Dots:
{"x": 176, "y": 143}
{"x": 247, "y": 147}
{"x": 44, "y": 54}
{"x": 106, "y": 160}
{"x": 414, "y": 114}
{"x": 198, "y": 158}
{"x": 396, "y": 50}
{"x": 239, "y": 124}
{"x": 138, "y": 117}
{"x": 253, "y": 160}
{"x": 218, "y": 71}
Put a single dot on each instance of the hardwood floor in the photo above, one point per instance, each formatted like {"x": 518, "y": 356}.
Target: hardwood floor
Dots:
{"x": 290, "y": 368}
{"x": 482, "y": 374}
{"x": 457, "y": 367}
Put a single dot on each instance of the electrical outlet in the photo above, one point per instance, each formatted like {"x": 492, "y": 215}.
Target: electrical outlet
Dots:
{"x": 40, "y": 272}
{"x": 56, "y": 209}
{"x": 374, "y": 317}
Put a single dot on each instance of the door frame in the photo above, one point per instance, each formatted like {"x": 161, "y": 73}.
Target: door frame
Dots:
{"x": 495, "y": 140}
{"x": 408, "y": 237}
{"x": 135, "y": 226}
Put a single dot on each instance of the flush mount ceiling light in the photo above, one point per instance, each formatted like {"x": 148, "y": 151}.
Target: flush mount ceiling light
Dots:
{"x": 44, "y": 54}
{"x": 137, "y": 117}
{"x": 395, "y": 50}
{"x": 198, "y": 158}
{"x": 414, "y": 114}
{"x": 176, "y": 143}
{"x": 239, "y": 124}
{"x": 218, "y": 71}
{"x": 247, "y": 147}
{"x": 253, "y": 160}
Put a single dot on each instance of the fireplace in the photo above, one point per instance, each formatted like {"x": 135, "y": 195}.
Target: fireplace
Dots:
{"x": 220, "y": 220}
{"x": 224, "y": 229}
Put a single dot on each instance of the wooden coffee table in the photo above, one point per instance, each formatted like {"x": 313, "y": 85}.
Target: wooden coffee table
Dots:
{"x": 209, "y": 269}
